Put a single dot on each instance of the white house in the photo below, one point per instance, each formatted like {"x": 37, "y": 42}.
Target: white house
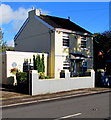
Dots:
{"x": 70, "y": 47}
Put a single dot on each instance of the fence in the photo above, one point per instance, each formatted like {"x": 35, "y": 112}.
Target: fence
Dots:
{"x": 44, "y": 86}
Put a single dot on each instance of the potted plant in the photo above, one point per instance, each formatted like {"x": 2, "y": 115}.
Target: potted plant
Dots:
{"x": 14, "y": 71}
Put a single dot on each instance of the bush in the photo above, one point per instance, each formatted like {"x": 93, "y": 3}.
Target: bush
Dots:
{"x": 21, "y": 77}
{"x": 42, "y": 76}
{"x": 46, "y": 77}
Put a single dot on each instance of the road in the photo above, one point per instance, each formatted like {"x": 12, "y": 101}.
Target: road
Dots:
{"x": 93, "y": 106}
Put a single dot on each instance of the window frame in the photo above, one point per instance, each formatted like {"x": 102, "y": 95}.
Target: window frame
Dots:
{"x": 83, "y": 39}
{"x": 66, "y": 65}
{"x": 65, "y": 40}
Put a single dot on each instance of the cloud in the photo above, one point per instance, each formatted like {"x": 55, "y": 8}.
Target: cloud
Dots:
{"x": 10, "y": 43}
{"x": 12, "y": 20}
{"x": 7, "y": 14}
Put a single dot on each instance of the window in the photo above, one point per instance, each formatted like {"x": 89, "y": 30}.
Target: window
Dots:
{"x": 65, "y": 40}
{"x": 83, "y": 42}
{"x": 66, "y": 65}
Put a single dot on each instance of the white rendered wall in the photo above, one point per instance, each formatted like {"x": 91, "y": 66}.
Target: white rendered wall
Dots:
{"x": 58, "y": 54}
{"x": 18, "y": 58}
{"x": 62, "y": 84}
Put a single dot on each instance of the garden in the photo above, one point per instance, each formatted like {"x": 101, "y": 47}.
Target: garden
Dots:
{"x": 22, "y": 83}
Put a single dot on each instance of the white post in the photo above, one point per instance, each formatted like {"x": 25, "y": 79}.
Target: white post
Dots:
{"x": 67, "y": 74}
{"x": 93, "y": 77}
{"x": 34, "y": 80}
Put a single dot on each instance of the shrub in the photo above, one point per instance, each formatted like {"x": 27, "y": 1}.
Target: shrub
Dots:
{"x": 21, "y": 77}
{"x": 38, "y": 63}
{"x": 46, "y": 77}
{"x": 42, "y": 76}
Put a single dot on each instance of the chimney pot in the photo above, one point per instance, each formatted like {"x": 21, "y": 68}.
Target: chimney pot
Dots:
{"x": 37, "y": 12}
{"x": 34, "y": 12}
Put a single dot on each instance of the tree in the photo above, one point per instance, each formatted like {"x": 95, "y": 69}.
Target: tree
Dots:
{"x": 1, "y": 36}
{"x": 103, "y": 41}
{"x": 102, "y": 46}
{"x": 2, "y": 43}
{"x": 42, "y": 60}
{"x": 34, "y": 62}
{"x": 38, "y": 63}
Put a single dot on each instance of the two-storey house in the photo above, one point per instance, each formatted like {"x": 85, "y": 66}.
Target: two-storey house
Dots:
{"x": 70, "y": 47}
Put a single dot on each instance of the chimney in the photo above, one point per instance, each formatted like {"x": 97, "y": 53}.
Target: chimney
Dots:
{"x": 34, "y": 12}
{"x": 37, "y": 12}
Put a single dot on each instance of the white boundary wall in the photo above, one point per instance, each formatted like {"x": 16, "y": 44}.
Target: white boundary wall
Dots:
{"x": 11, "y": 57}
{"x": 63, "y": 84}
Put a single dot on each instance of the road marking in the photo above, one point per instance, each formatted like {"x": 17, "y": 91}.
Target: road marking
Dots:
{"x": 69, "y": 116}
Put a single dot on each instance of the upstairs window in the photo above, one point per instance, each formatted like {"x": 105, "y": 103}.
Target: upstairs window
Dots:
{"x": 65, "y": 40}
{"x": 83, "y": 42}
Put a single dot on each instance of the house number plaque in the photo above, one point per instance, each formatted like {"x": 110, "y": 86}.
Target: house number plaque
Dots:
{"x": 14, "y": 64}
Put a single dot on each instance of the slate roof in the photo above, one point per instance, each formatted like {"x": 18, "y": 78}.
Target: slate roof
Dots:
{"x": 58, "y": 22}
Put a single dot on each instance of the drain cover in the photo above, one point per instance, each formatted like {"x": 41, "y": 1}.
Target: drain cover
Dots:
{"x": 94, "y": 109}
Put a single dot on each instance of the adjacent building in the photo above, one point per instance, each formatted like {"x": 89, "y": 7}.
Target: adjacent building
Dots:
{"x": 69, "y": 46}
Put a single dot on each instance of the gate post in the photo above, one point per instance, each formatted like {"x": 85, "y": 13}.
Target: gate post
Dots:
{"x": 93, "y": 77}
{"x": 33, "y": 77}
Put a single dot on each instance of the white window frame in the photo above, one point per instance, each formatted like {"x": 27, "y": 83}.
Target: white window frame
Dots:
{"x": 83, "y": 39}
{"x": 65, "y": 37}
{"x": 66, "y": 65}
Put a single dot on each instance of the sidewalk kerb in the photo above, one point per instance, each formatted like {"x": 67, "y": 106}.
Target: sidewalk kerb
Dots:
{"x": 55, "y": 98}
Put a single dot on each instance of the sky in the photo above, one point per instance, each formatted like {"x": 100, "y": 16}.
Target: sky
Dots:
{"x": 93, "y": 16}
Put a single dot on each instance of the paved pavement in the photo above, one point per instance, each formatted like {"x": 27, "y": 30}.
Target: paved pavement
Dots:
{"x": 10, "y": 98}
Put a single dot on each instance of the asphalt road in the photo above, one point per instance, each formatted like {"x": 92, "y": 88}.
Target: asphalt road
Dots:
{"x": 93, "y": 106}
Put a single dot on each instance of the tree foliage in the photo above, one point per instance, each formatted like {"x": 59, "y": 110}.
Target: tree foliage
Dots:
{"x": 103, "y": 41}
{"x": 38, "y": 63}
{"x": 102, "y": 49}
{"x": 42, "y": 60}
{"x": 3, "y": 44}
